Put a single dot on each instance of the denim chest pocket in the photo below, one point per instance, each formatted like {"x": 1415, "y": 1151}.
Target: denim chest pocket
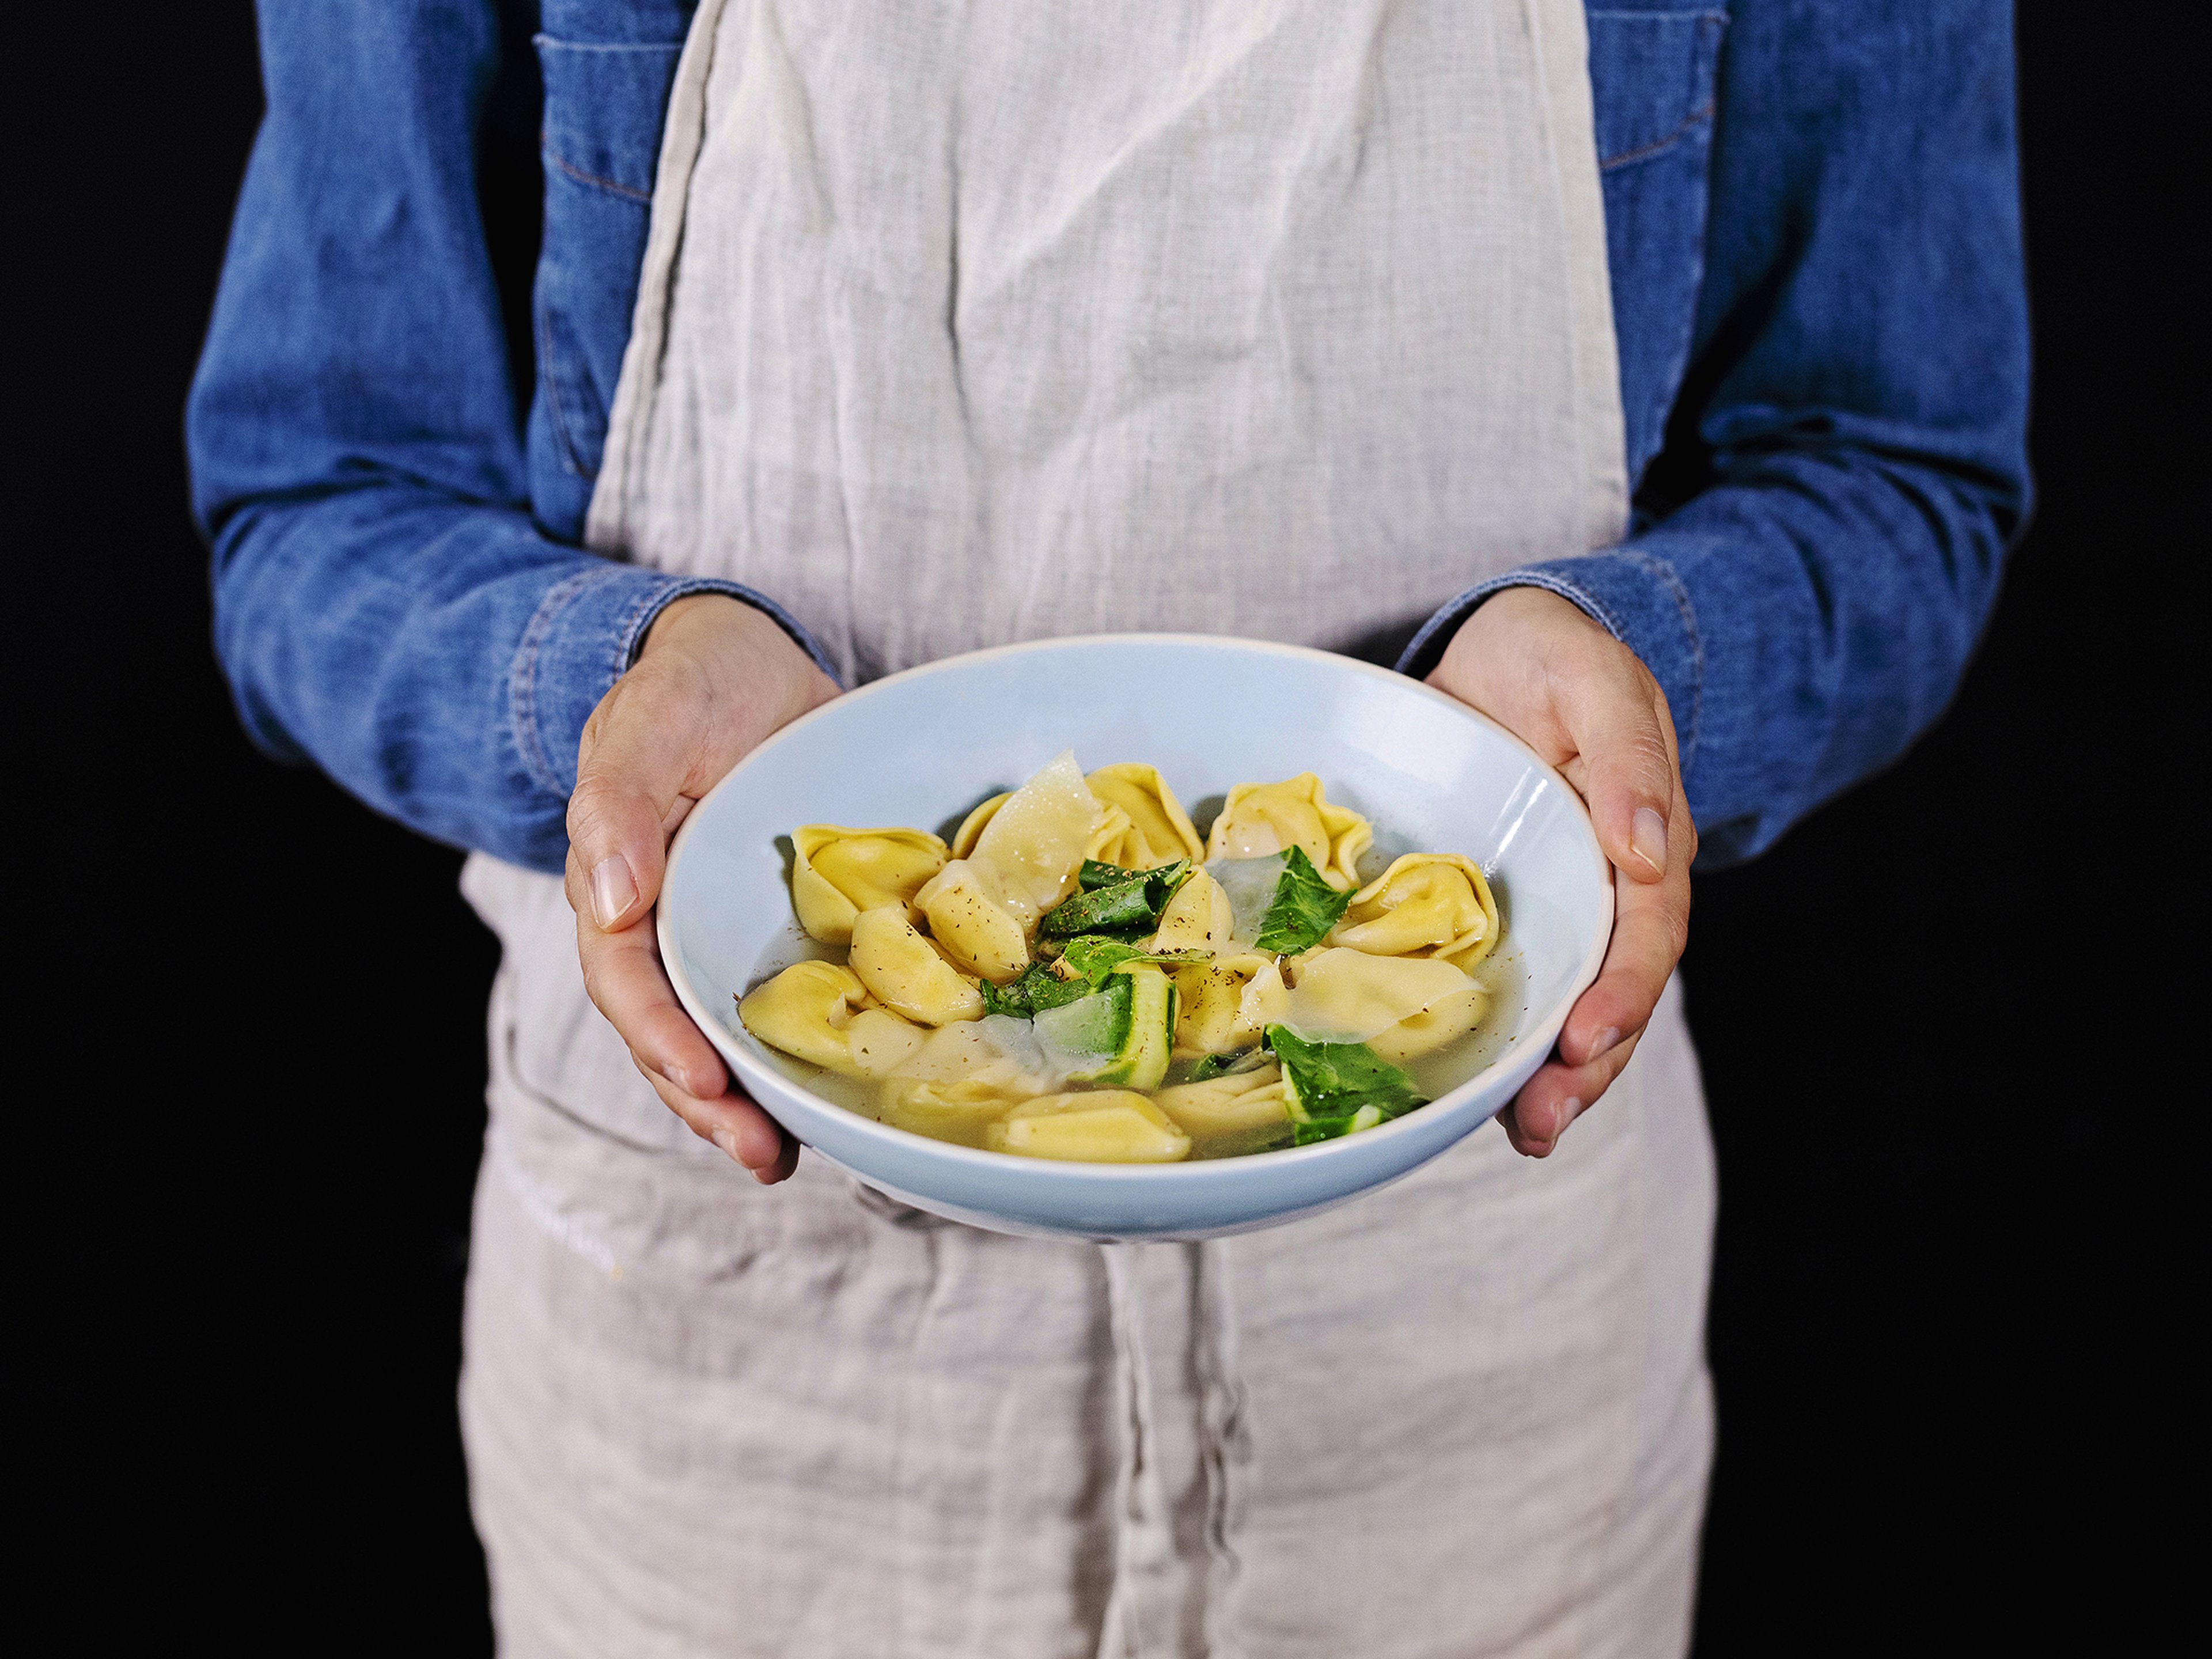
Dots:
{"x": 604, "y": 107}
{"x": 1653, "y": 82}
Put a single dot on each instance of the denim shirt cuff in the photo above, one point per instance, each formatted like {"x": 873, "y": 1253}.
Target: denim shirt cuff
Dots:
{"x": 1635, "y": 597}
{"x": 584, "y": 636}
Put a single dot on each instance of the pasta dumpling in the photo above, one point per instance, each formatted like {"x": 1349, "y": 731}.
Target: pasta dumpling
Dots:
{"x": 1204, "y": 996}
{"x": 1198, "y": 918}
{"x": 1036, "y": 839}
{"x": 1225, "y": 1105}
{"x": 1425, "y": 904}
{"x": 1258, "y": 819}
{"x": 837, "y": 873}
{"x": 905, "y": 973}
{"x": 1219, "y": 1012}
{"x": 808, "y": 1010}
{"x": 1107, "y": 841}
{"x": 879, "y": 1040}
{"x": 969, "y": 916}
{"x": 1341, "y": 995}
{"x": 958, "y": 1110}
{"x": 1157, "y": 830}
{"x": 1100, "y": 1126}
{"x": 1441, "y": 1022}
{"x": 971, "y": 827}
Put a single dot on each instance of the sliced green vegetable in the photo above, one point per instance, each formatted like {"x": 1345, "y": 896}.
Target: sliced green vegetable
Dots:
{"x": 1093, "y": 1027}
{"x": 1038, "y": 987}
{"x": 1140, "y": 1060}
{"x": 1304, "y": 909}
{"x": 1126, "y": 907}
{"x": 1339, "y": 1088}
{"x": 1091, "y": 957}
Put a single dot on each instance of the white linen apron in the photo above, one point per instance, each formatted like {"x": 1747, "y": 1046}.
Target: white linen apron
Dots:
{"x": 961, "y": 324}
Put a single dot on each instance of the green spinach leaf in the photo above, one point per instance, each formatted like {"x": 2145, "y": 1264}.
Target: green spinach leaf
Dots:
{"x": 1304, "y": 909}
{"x": 1126, "y": 907}
{"x": 1333, "y": 1086}
{"x": 1036, "y": 987}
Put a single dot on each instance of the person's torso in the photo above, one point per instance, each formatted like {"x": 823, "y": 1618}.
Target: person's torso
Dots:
{"x": 607, "y": 69}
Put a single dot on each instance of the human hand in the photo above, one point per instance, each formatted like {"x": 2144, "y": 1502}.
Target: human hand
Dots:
{"x": 715, "y": 676}
{"x": 1537, "y": 665}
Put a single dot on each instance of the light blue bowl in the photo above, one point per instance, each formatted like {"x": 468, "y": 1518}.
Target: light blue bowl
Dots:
{"x": 921, "y": 747}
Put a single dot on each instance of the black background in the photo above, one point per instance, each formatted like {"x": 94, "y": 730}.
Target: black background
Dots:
{"x": 1949, "y": 1079}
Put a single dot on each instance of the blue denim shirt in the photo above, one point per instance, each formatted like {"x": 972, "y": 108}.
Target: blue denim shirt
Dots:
{"x": 1813, "y": 229}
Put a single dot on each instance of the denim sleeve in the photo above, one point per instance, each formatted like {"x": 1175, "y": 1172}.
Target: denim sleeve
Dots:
{"x": 385, "y": 604}
{"x": 1817, "y": 550}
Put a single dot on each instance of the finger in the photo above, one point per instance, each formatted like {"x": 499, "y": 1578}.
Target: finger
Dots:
{"x": 623, "y": 974}
{"x": 746, "y": 1133}
{"x": 1650, "y": 927}
{"x": 640, "y": 752}
{"x": 1625, "y": 742}
{"x": 1556, "y": 1096}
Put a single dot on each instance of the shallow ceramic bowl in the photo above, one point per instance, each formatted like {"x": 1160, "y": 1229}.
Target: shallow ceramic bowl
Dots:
{"x": 921, "y": 747}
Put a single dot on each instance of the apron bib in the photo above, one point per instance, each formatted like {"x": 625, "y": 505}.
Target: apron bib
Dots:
{"x": 964, "y": 324}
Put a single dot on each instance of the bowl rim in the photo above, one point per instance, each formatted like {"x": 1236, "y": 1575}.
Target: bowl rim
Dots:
{"x": 754, "y": 1074}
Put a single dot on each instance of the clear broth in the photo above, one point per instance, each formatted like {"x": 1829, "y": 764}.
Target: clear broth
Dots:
{"x": 1504, "y": 975}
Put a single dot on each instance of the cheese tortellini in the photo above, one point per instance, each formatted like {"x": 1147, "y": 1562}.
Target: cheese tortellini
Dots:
{"x": 902, "y": 970}
{"x": 1226, "y": 1105}
{"x": 837, "y": 873}
{"x": 1198, "y": 918}
{"x": 1156, "y": 829}
{"x": 1260, "y": 818}
{"x": 1400, "y": 1006}
{"x": 1080, "y": 974}
{"x": 1425, "y": 904}
{"x": 1104, "y": 1126}
{"x": 818, "y": 1011}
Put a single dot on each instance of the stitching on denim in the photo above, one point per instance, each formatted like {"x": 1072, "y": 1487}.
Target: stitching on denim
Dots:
{"x": 1583, "y": 600}
{"x": 1645, "y": 152}
{"x": 685, "y": 586}
{"x": 548, "y": 360}
{"x": 1665, "y": 572}
{"x": 625, "y": 638}
{"x": 584, "y": 178}
{"x": 522, "y": 696}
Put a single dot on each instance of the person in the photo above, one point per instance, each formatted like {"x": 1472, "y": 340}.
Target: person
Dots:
{"x": 1660, "y": 370}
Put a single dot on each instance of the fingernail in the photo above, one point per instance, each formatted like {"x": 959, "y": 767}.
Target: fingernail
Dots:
{"x": 728, "y": 1140}
{"x": 613, "y": 891}
{"x": 1569, "y": 1110}
{"x": 1603, "y": 1043}
{"x": 1648, "y": 839}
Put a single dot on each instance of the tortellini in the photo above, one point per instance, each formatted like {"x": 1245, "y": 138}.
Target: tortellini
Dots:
{"x": 1425, "y": 904}
{"x": 810, "y": 1009}
{"x": 1398, "y": 1005}
{"x": 1221, "y": 1009}
{"x": 1100, "y": 1126}
{"x": 1198, "y": 918}
{"x": 904, "y": 972}
{"x": 961, "y": 1111}
{"x": 969, "y": 916}
{"x": 1227, "y": 1105}
{"x": 1260, "y": 818}
{"x": 837, "y": 873}
{"x": 1036, "y": 839}
{"x": 1156, "y": 831}
{"x": 879, "y": 1042}
{"x": 1147, "y": 1023}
